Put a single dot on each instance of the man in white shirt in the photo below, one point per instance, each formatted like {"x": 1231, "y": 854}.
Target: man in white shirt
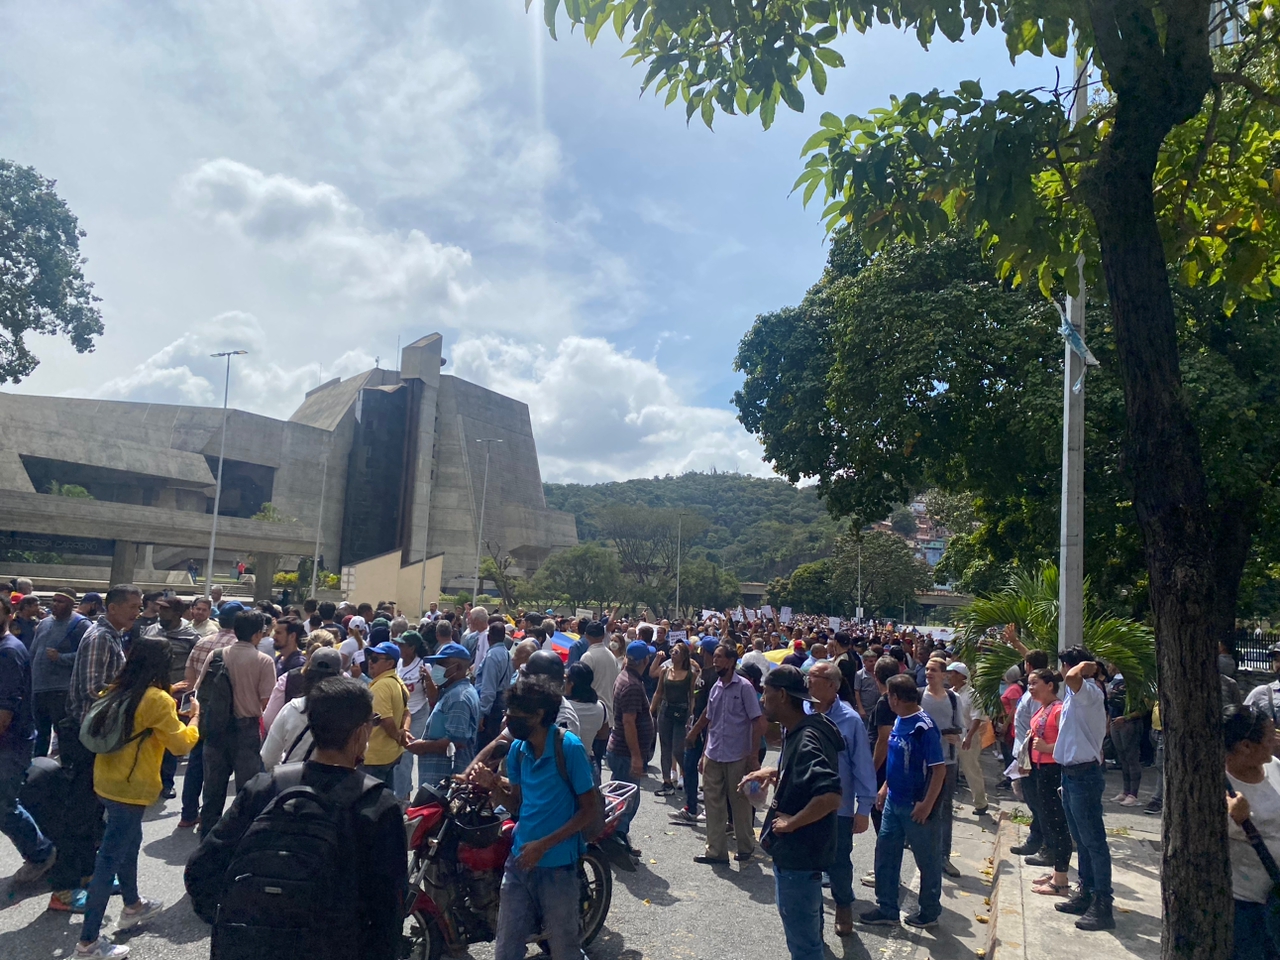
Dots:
{"x": 604, "y": 669}
{"x": 971, "y": 718}
{"x": 476, "y": 637}
{"x": 1078, "y": 751}
{"x": 756, "y": 655}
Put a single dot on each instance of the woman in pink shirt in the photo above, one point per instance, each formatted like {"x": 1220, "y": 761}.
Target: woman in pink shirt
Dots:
{"x": 1047, "y": 776}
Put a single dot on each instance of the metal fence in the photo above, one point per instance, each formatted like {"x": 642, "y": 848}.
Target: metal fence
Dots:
{"x": 1253, "y": 649}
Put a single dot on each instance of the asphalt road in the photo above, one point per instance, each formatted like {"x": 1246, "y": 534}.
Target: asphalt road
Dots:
{"x": 670, "y": 907}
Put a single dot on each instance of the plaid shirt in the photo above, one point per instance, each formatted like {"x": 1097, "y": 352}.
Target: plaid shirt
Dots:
{"x": 203, "y": 650}
{"x": 456, "y": 715}
{"x": 98, "y": 661}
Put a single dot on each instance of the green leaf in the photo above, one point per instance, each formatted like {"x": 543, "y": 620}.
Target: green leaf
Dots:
{"x": 971, "y": 89}
{"x": 708, "y": 111}
{"x": 825, "y": 34}
{"x": 818, "y": 140}
{"x": 830, "y": 57}
{"x": 768, "y": 106}
{"x": 819, "y": 76}
{"x": 549, "y": 8}
{"x": 831, "y": 122}
{"x": 792, "y": 97}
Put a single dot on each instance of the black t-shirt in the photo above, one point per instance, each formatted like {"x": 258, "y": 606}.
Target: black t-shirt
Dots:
{"x": 881, "y": 716}
{"x": 809, "y": 767}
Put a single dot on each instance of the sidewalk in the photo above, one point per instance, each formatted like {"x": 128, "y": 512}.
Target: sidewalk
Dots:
{"x": 1025, "y": 925}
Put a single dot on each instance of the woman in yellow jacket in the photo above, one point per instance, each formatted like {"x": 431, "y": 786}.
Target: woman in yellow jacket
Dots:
{"x": 128, "y": 781}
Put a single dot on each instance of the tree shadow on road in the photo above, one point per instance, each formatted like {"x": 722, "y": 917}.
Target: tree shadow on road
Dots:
{"x": 173, "y": 849}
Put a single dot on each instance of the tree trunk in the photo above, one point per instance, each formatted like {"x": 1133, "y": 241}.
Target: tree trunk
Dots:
{"x": 1235, "y": 521}
{"x": 1170, "y": 498}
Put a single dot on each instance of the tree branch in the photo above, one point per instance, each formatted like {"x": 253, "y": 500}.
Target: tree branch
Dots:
{"x": 1241, "y": 80}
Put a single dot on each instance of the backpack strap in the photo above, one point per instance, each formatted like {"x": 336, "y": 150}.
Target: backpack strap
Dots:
{"x": 297, "y": 740}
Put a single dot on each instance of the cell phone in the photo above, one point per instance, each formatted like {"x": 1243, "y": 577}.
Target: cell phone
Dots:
{"x": 184, "y": 705}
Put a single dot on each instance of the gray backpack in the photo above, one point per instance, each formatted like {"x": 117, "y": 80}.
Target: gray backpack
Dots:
{"x": 103, "y": 728}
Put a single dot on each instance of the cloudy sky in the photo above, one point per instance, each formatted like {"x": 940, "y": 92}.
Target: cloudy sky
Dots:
{"x": 313, "y": 180}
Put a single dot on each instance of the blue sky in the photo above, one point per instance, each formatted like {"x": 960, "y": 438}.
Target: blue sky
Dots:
{"x": 311, "y": 180}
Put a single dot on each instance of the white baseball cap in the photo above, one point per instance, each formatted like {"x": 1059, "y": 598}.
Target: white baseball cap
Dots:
{"x": 959, "y": 667}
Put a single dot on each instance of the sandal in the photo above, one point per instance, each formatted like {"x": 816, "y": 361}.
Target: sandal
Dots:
{"x": 1047, "y": 878}
{"x": 1051, "y": 889}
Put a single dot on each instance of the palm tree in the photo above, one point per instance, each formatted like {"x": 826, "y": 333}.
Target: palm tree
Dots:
{"x": 1030, "y": 604}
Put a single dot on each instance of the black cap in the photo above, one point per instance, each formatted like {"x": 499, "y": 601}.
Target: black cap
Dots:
{"x": 790, "y": 680}
{"x": 594, "y": 629}
{"x": 546, "y": 663}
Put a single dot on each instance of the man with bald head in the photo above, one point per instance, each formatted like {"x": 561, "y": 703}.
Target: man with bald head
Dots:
{"x": 857, "y": 783}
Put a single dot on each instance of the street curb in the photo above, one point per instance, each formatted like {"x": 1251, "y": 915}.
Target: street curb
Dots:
{"x": 1006, "y": 937}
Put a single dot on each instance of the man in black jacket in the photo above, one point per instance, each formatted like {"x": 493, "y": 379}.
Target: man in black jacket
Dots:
{"x": 340, "y": 714}
{"x": 800, "y": 829}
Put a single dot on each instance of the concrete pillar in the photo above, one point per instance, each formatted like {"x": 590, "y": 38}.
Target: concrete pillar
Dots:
{"x": 124, "y": 562}
{"x": 264, "y": 572}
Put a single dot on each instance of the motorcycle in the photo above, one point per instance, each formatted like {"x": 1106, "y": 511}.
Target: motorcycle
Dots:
{"x": 459, "y": 848}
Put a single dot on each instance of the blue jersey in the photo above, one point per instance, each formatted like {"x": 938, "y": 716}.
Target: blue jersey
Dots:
{"x": 915, "y": 745}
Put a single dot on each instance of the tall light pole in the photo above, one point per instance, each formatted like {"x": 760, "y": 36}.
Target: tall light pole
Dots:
{"x": 222, "y": 449}
{"x": 679, "y": 521}
{"x": 315, "y": 558}
{"x": 1075, "y": 359}
{"x": 484, "y": 493}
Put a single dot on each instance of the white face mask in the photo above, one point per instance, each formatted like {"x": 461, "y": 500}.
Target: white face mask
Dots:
{"x": 437, "y": 674}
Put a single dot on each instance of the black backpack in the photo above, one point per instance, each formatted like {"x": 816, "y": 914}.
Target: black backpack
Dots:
{"x": 286, "y": 892}
{"x": 217, "y": 700}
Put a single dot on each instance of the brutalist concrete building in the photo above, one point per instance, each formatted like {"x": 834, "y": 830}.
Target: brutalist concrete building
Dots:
{"x": 395, "y": 453}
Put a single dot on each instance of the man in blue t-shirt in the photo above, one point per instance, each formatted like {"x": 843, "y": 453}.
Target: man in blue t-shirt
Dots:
{"x": 556, "y": 799}
{"x": 915, "y": 770}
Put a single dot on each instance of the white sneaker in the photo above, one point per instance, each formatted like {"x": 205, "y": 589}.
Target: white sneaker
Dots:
{"x": 104, "y": 949}
{"x": 1130, "y": 801}
{"x": 147, "y": 910}
{"x": 1119, "y": 798}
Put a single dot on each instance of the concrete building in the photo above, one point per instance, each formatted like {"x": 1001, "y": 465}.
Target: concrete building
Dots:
{"x": 394, "y": 452}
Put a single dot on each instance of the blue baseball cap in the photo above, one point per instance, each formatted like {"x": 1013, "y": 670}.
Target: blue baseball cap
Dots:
{"x": 450, "y": 651}
{"x": 384, "y": 649}
{"x": 708, "y": 644}
{"x": 638, "y": 650}
{"x": 231, "y": 606}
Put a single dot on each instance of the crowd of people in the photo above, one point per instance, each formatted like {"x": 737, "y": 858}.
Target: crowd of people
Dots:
{"x": 879, "y": 729}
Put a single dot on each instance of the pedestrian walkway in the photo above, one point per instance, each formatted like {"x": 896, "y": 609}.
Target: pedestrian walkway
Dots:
{"x": 1025, "y": 924}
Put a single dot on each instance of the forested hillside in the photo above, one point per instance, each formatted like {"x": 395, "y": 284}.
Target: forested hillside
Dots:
{"x": 758, "y": 528}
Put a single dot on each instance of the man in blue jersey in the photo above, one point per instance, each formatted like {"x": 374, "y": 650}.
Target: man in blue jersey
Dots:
{"x": 915, "y": 770}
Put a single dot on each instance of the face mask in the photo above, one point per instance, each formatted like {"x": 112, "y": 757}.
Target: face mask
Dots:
{"x": 725, "y": 672}
{"x": 519, "y": 727}
{"x": 437, "y": 674}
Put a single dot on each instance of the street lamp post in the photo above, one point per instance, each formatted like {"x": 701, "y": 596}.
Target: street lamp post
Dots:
{"x": 484, "y": 493}
{"x": 222, "y": 449}
{"x": 679, "y": 521}
{"x": 315, "y": 558}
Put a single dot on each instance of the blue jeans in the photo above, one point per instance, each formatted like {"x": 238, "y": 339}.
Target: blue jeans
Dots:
{"x": 799, "y": 896}
{"x": 841, "y": 869}
{"x": 404, "y": 767}
{"x": 117, "y": 857}
{"x": 691, "y": 757}
{"x": 536, "y": 901}
{"x": 896, "y": 830}
{"x": 386, "y": 772}
{"x": 1082, "y": 788}
{"x": 620, "y": 769}
{"x": 1255, "y": 931}
{"x": 15, "y": 822}
{"x": 193, "y": 783}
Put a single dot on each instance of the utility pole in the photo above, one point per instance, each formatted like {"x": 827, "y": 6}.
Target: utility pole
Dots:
{"x": 859, "y": 578}
{"x": 315, "y": 558}
{"x": 1075, "y": 360}
{"x": 222, "y": 449}
{"x": 484, "y": 493}
{"x": 679, "y": 521}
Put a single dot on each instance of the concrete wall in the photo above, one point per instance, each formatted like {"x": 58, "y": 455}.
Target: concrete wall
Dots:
{"x": 383, "y": 578}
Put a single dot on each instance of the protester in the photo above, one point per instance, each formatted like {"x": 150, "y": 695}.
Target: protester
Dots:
{"x": 631, "y": 741}
{"x": 449, "y": 743}
{"x": 972, "y": 720}
{"x": 800, "y": 828}
{"x": 127, "y": 781}
{"x": 17, "y": 732}
{"x": 857, "y": 783}
{"x": 1081, "y": 729}
{"x": 1032, "y": 660}
{"x": 493, "y": 674}
{"x": 245, "y": 676}
{"x": 1253, "y": 798}
{"x": 356, "y": 916}
{"x": 1047, "y": 776}
{"x": 202, "y": 621}
{"x": 671, "y": 705}
{"x": 182, "y": 640}
{"x": 944, "y": 708}
{"x": 476, "y": 637}
{"x": 53, "y": 658}
{"x": 391, "y": 704}
{"x": 289, "y": 740}
{"x": 604, "y": 669}
{"x": 1125, "y": 728}
{"x": 866, "y": 689}
{"x": 410, "y": 669}
{"x": 915, "y": 771}
{"x": 579, "y": 689}
{"x": 26, "y": 616}
{"x": 695, "y": 738}
{"x": 554, "y": 809}
{"x": 98, "y": 663}
{"x": 287, "y": 639}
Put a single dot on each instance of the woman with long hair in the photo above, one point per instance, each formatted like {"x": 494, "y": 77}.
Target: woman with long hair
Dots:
{"x": 672, "y": 702}
{"x": 127, "y": 781}
{"x": 1047, "y": 778}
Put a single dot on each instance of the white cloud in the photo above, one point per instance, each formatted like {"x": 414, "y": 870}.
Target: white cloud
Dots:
{"x": 601, "y": 414}
{"x": 318, "y": 224}
{"x": 184, "y": 371}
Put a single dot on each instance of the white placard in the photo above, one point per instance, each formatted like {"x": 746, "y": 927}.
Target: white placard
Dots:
{"x": 739, "y": 615}
{"x": 708, "y": 614}
{"x": 833, "y": 623}
{"x": 675, "y": 635}
{"x": 767, "y": 612}
{"x": 786, "y": 614}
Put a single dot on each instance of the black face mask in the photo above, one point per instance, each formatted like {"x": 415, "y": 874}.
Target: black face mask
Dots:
{"x": 727, "y": 671}
{"x": 520, "y": 727}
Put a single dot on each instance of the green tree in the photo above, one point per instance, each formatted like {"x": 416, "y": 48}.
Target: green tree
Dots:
{"x": 891, "y": 573}
{"x": 585, "y": 574}
{"x": 42, "y": 286}
{"x": 496, "y": 566}
{"x": 704, "y": 585}
{"x": 73, "y": 490}
{"x": 903, "y": 522}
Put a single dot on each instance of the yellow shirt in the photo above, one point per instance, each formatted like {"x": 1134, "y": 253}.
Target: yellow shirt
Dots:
{"x": 117, "y": 777}
{"x": 390, "y": 699}
{"x": 1155, "y": 718}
